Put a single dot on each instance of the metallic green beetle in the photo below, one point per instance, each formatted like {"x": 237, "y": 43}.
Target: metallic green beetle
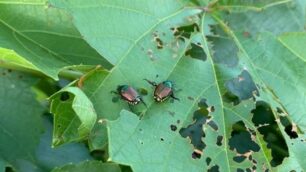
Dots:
{"x": 129, "y": 94}
{"x": 163, "y": 90}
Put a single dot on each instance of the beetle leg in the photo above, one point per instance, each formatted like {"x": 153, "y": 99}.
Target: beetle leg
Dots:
{"x": 130, "y": 107}
{"x": 143, "y": 102}
{"x": 151, "y": 82}
{"x": 114, "y": 92}
{"x": 175, "y": 98}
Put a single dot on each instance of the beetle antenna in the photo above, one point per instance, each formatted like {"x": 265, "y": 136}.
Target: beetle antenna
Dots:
{"x": 151, "y": 82}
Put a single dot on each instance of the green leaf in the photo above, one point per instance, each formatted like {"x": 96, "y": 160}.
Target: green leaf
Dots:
{"x": 74, "y": 115}
{"x": 47, "y": 158}
{"x": 243, "y": 6}
{"x": 278, "y": 70}
{"x": 277, "y": 19}
{"x": 152, "y": 137}
{"x": 92, "y": 166}
{"x": 20, "y": 113}
{"x": 43, "y": 36}
{"x": 203, "y": 130}
{"x": 287, "y": 84}
{"x": 3, "y": 166}
{"x": 294, "y": 42}
{"x": 126, "y": 17}
{"x": 9, "y": 57}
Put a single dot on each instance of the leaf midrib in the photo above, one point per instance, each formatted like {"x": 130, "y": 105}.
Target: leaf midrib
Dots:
{"x": 217, "y": 85}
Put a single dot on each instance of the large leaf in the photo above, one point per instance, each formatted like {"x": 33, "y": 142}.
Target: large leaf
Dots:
{"x": 278, "y": 69}
{"x": 161, "y": 149}
{"x": 171, "y": 135}
{"x": 284, "y": 17}
{"x": 43, "y": 36}
{"x": 48, "y": 158}
{"x": 20, "y": 113}
{"x": 123, "y": 24}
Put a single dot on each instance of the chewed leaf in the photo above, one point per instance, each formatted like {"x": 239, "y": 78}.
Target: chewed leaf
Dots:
{"x": 242, "y": 86}
{"x": 74, "y": 116}
{"x": 149, "y": 38}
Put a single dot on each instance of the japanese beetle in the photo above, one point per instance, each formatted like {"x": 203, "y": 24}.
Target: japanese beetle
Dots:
{"x": 163, "y": 90}
{"x": 129, "y": 94}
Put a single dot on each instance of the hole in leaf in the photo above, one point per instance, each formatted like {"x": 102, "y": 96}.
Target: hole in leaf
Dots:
{"x": 279, "y": 110}
{"x": 64, "y": 96}
{"x": 98, "y": 154}
{"x": 213, "y": 125}
{"x": 290, "y": 131}
{"x": 9, "y": 169}
{"x": 196, "y": 155}
{"x": 202, "y": 103}
{"x": 214, "y": 168}
{"x": 125, "y": 168}
{"x": 225, "y": 50}
{"x": 185, "y": 31}
{"x": 173, "y": 127}
{"x": 212, "y": 108}
{"x": 196, "y": 52}
{"x": 219, "y": 140}
{"x": 159, "y": 43}
{"x": 230, "y": 98}
{"x": 248, "y": 170}
{"x": 239, "y": 159}
{"x": 264, "y": 119}
{"x": 161, "y": 139}
{"x": 208, "y": 160}
{"x": 195, "y": 130}
{"x": 240, "y": 170}
{"x": 241, "y": 139}
{"x": 243, "y": 86}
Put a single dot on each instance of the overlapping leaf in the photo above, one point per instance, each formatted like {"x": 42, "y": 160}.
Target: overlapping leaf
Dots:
{"x": 43, "y": 36}
{"x": 74, "y": 115}
{"x": 20, "y": 124}
{"x": 285, "y": 16}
